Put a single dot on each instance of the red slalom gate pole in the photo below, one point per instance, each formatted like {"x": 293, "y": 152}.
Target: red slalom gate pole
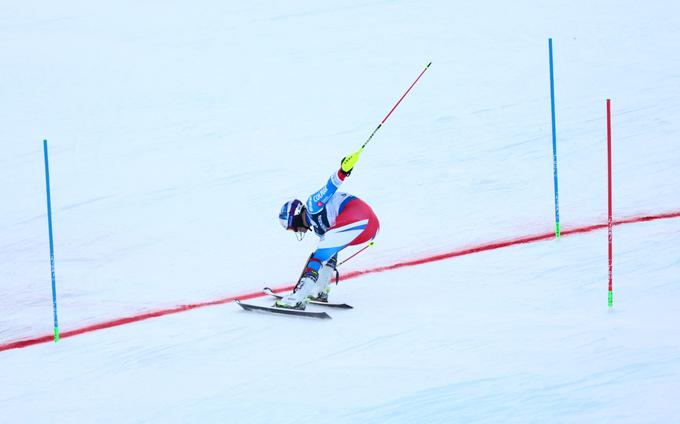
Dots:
{"x": 610, "y": 296}
{"x": 395, "y": 106}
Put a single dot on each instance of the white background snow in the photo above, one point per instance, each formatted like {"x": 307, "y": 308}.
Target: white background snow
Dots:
{"x": 177, "y": 129}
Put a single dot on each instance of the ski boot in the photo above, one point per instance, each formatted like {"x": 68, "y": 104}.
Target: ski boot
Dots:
{"x": 323, "y": 283}
{"x": 300, "y": 296}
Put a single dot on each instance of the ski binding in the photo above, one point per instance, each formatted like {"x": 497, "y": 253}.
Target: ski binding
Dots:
{"x": 270, "y": 292}
{"x": 283, "y": 311}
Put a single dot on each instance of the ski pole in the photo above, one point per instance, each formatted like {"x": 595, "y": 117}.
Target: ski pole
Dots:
{"x": 337, "y": 273}
{"x": 395, "y": 106}
{"x": 362, "y": 249}
{"x": 305, "y": 267}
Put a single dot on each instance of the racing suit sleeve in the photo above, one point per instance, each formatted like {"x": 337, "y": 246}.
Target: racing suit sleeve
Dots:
{"x": 317, "y": 201}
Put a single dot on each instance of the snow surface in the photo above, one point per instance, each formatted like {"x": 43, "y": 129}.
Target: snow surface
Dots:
{"x": 177, "y": 130}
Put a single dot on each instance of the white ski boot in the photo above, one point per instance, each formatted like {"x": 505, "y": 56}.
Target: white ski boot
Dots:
{"x": 323, "y": 284}
{"x": 305, "y": 288}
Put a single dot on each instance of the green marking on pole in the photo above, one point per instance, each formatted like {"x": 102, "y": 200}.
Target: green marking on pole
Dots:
{"x": 611, "y": 299}
{"x": 56, "y": 334}
{"x": 557, "y": 230}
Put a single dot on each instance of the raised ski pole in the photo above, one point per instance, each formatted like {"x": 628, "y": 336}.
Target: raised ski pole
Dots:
{"x": 395, "y": 106}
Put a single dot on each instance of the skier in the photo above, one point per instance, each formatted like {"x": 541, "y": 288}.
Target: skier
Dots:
{"x": 340, "y": 220}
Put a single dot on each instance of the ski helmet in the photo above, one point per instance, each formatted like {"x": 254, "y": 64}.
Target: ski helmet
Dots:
{"x": 289, "y": 211}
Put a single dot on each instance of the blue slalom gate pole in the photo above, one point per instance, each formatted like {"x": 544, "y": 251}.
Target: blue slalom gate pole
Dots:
{"x": 49, "y": 225}
{"x": 554, "y": 139}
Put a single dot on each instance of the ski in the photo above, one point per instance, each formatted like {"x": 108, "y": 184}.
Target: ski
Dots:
{"x": 270, "y": 292}
{"x": 283, "y": 311}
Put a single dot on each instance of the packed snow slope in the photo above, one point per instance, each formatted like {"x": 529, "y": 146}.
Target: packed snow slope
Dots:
{"x": 177, "y": 130}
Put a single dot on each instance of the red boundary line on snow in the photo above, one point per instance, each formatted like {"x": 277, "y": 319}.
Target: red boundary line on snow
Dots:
{"x": 433, "y": 258}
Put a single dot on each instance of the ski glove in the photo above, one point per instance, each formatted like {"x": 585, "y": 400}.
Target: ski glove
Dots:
{"x": 348, "y": 162}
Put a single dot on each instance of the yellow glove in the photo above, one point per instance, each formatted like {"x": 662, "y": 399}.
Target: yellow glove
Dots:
{"x": 349, "y": 161}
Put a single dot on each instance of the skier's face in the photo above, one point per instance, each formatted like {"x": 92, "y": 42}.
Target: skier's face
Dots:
{"x": 299, "y": 224}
